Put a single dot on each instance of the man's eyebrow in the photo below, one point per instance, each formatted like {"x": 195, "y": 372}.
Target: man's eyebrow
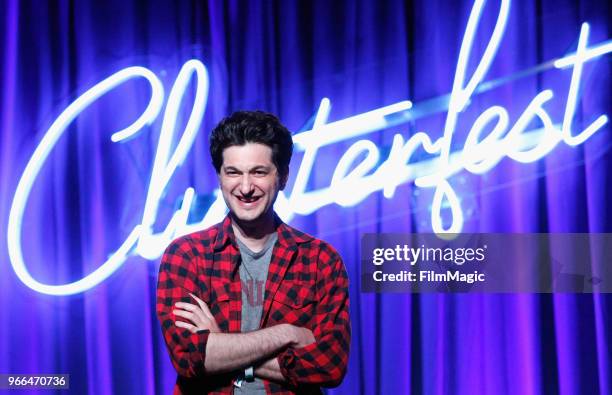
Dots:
{"x": 261, "y": 167}
{"x": 254, "y": 168}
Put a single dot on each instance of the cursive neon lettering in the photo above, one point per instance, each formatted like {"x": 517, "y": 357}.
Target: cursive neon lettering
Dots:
{"x": 490, "y": 138}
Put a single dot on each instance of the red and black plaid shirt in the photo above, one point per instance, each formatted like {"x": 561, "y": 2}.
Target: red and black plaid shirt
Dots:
{"x": 307, "y": 286}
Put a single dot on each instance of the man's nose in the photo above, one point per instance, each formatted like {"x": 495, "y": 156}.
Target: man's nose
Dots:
{"x": 246, "y": 186}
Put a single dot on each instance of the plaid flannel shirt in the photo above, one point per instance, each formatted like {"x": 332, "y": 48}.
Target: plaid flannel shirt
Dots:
{"x": 307, "y": 286}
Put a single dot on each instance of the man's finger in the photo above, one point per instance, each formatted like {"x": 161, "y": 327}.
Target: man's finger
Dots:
{"x": 195, "y": 309}
{"x": 185, "y": 314}
{"x": 203, "y": 311}
{"x": 186, "y": 306}
{"x": 203, "y": 306}
{"x": 185, "y": 325}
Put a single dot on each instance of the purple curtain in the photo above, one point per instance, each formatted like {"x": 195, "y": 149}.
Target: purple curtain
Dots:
{"x": 284, "y": 57}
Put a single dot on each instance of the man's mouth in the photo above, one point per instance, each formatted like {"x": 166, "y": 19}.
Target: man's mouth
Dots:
{"x": 250, "y": 199}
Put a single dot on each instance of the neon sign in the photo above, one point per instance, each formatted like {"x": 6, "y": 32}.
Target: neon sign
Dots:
{"x": 349, "y": 184}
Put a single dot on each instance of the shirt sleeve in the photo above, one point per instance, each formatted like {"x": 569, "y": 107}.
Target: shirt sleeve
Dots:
{"x": 177, "y": 278}
{"x": 324, "y": 362}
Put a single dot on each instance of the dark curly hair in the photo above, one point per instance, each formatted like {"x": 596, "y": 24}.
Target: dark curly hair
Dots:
{"x": 252, "y": 127}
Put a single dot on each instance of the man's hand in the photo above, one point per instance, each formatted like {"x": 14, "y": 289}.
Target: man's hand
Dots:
{"x": 270, "y": 369}
{"x": 199, "y": 316}
{"x": 301, "y": 336}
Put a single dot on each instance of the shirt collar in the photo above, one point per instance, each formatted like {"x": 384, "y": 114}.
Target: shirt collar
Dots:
{"x": 287, "y": 236}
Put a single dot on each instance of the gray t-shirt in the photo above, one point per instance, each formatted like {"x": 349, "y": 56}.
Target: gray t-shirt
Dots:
{"x": 253, "y": 275}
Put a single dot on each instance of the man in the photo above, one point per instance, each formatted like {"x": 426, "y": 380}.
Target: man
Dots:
{"x": 251, "y": 305}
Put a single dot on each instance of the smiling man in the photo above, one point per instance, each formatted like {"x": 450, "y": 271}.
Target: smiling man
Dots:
{"x": 252, "y": 305}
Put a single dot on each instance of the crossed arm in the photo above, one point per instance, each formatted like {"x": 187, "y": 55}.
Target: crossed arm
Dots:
{"x": 226, "y": 352}
{"x": 282, "y": 353}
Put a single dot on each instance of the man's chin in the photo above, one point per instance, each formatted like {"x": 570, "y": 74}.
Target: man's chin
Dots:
{"x": 247, "y": 218}
{"x": 252, "y": 219}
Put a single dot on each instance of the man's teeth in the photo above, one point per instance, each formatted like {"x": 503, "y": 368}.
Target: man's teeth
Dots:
{"x": 248, "y": 200}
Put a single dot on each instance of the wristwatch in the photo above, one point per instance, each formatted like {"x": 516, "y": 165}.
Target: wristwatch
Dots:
{"x": 249, "y": 374}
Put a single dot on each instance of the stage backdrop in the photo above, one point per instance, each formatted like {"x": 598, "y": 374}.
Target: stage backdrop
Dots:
{"x": 85, "y": 212}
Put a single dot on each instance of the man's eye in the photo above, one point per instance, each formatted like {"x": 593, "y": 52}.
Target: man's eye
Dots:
{"x": 260, "y": 173}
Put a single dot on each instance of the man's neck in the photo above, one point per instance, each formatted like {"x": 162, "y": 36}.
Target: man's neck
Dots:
{"x": 254, "y": 235}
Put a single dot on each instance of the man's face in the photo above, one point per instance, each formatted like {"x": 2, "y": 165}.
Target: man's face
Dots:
{"x": 249, "y": 181}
